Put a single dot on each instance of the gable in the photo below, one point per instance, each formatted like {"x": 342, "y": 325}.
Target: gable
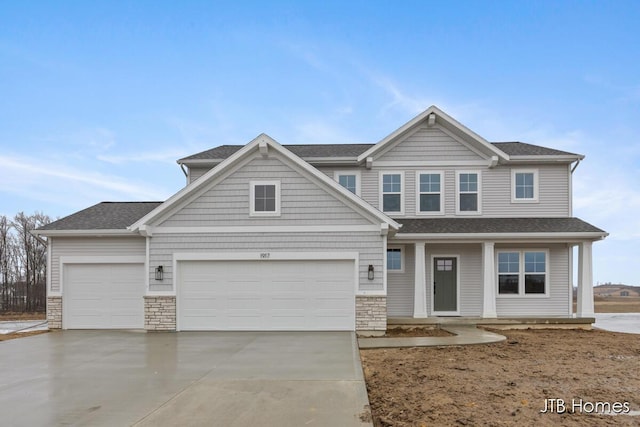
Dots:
{"x": 428, "y": 144}
{"x": 226, "y": 202}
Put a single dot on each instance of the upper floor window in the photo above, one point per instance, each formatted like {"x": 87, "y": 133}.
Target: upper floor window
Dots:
{"x": 524, "y": 185}
{"x": 394, "y": 260}
{"x": 468, "y": 199}
{"x": 522, "y": 273}
{"x": 264, "y": 198}
{"x": 429, "y": 187}
{"x": 392, "y": 198}
{"x": 349, "y": 180}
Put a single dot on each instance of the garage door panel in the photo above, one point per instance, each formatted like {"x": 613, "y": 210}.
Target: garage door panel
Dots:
{"x": 103, "y": 296}
{"x": 273, "y": 295}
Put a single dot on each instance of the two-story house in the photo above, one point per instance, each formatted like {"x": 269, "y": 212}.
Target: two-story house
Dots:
{"x": 432, "y": 221}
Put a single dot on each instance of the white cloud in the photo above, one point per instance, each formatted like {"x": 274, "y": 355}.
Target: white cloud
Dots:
{"x": 48, "y": 181}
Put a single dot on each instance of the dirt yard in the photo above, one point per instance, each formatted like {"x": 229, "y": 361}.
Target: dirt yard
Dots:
{"x": 507, "y": 384}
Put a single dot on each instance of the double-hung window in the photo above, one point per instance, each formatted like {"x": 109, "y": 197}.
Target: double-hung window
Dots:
{"x": 264, "y": 198}
{"x": 468, "y": 200}
{"x": 391, "y": 196}
{"x": 524, "y": 185}
{"x": 522, "y": 273}
{"x": 349, "y": 180}
{"x": 429, "y": 193}
{"x": 395, "y": 263}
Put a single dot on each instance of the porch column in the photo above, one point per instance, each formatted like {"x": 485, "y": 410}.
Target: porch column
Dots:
{"x": 420, "y": 285}
{"x": 489, "y": 280}
{"x": 585, "y": 280}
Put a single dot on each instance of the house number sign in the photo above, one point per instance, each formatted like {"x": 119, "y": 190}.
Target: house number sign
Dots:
{"x": 265, "y": 255}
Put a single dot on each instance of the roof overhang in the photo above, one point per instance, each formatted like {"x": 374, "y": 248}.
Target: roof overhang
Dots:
{"x": 262, "y": 143}
{"x": 566, "y": 237}
{"x": 84, "y": 233}
{"x": 433, "y": 116}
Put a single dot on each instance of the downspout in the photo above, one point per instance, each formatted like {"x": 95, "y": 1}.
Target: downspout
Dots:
{"x": 576, "y": 166}
{"x": 186, "y": 174}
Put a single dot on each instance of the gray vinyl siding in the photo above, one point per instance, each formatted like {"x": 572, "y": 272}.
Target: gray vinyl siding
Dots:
{"x": 91, "y": 246}
{"x": 428, "y": 143}
{"x": 195, "y": 173}
{"x": 400, "y": 286}
{"x": 470, "y": 270}
{"x": 369, "y": 245}
{"x": 302, "y": 202}
{"x": 557, "y": 304}
{"x": 554, "y": 196}
{"x": 553, "y": 201}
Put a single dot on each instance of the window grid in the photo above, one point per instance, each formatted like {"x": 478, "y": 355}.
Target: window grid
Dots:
{"x": 524, "y": 185}
{"x": 392, "y": 193}
{"x": 522, "y": 273}
{"x": 348, "y": 182}
{"x": 468, "y": 192}
{"x": 429, "y": 192}
{"x": 394, "y": 259}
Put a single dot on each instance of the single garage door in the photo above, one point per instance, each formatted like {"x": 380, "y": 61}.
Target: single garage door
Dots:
{"x": 103, "y": 296}
{"x": 266, "y": 295}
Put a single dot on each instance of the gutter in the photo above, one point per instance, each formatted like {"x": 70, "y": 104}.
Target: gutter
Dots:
{"x": 575, "y": 166}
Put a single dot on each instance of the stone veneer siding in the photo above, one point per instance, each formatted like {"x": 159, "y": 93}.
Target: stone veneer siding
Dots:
{"x": 54, "y": 312}
{"x": 371, "y": 313}
{"x": 160, "y": 313}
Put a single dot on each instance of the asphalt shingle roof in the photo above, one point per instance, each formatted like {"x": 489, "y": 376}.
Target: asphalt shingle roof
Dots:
{"x": 354, "y": 150}
{"x": 524, "y": 149}
{"x": 496, "y": 225}
{"x": 302, "y": 150}
{"x": 104, "y": 216}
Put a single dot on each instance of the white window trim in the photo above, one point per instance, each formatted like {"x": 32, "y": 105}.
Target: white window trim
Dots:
{"x": 458, "y": 211}
{"x": 418, "y": 193}
{"x": 402, "y": 252}
{"x": 402, "y": 191}
{"x": 536, "y": 186}
{"x": 336, "y": 176}
{"x": 521, "y": 274}
{"x": 252, "y": 201}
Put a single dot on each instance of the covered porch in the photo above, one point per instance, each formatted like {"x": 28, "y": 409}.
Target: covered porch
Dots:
{"x": 492, "y": 271}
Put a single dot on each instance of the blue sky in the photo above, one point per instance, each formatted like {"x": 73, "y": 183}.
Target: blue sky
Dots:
{"x": 98, "y": 99}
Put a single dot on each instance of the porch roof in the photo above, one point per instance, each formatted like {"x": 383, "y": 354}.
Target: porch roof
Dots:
{"x": 493, "y": 226}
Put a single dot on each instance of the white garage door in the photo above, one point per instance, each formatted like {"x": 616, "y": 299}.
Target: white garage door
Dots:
{"x": 266, "y": 295}
{"x": 103, "y": 296}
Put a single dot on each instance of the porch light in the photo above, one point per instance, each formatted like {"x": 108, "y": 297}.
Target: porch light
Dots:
{"x": 159, "y": 272}
{"x": 370, "y": 275}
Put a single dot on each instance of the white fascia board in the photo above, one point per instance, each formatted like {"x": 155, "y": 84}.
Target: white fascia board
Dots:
{"x": 443, "y": 117}
{"x": 547, "y": 158}
{"x": 432, "y": 163}
{"x": 349, "y": 197}
{"x": 269, "y": 229}
{"x": 236, "y": 157}
{"x": 481, "y": 237}
{"x": 88, "y": 233}
{"x": 331, "y": 160}
{"x": 199, "y": 183}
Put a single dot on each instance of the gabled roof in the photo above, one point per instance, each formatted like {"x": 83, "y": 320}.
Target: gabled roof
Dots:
{"x": 262, "y": 143}
{"x": 105, "y": 216}
{"x": 432, "y": 116}
{"x": 499, "y": 226}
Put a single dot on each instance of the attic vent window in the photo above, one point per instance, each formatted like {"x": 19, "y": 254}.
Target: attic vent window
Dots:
{"x": 264, "y": 198}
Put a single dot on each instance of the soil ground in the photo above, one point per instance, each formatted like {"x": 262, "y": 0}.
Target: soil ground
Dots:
{"x": 506, "y": 384}
{"x": 416, "y": 331}
{"x": 22, "y": 316}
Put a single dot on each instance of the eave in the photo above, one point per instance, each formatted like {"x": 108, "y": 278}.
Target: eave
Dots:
{"x": 84, "y": 233}
{"x": 567, "y": 237}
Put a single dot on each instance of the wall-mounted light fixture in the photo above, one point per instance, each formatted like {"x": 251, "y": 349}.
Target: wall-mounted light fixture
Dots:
{"x": 371, "y": 273}
{"x": 159, "y": 272}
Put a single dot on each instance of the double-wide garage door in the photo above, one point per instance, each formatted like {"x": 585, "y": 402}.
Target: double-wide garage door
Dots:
{"x": 103, "y": 296}
{"x": 266, "y": 295}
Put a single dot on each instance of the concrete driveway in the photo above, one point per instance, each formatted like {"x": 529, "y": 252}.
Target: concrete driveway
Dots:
{"x": 188, "y": 378}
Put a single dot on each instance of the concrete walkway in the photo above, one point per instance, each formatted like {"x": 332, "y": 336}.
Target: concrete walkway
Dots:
{"x": 618, "y": 322}
{"x": 464, "y": 335}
